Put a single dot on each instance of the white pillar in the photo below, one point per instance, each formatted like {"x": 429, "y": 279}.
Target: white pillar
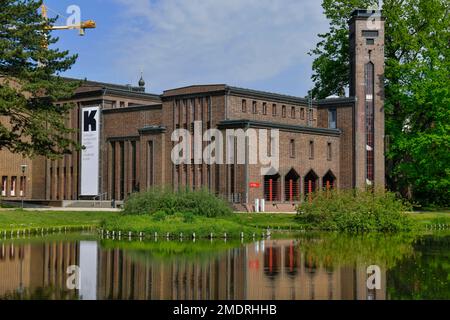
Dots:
{"x": 256, "y": 205}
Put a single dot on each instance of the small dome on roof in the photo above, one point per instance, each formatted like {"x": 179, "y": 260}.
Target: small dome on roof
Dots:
{"x": 141, "y": 82}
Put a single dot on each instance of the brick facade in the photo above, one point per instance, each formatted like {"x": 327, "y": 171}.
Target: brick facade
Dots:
{"x": 323, "y": 144}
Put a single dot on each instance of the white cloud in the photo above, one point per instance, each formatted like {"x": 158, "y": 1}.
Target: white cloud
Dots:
{"x": 179, "y": 42}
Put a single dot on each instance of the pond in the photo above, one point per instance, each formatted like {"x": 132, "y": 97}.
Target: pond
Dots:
{"x": 309, "y": 266}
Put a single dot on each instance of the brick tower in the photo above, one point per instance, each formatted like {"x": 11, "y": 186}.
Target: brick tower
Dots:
{"x": 367, "y": 85}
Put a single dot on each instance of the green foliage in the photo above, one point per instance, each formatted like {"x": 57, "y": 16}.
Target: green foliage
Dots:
{"x": 185, "y": 223}
{"x": 198, "y": 203}
{"x": 418, "y": 99}
{"x": 417, "y": 83}
{"x": 19, "y": 220}
{"x": 331, "y": 65}
{"x": 30, "y": 83}
{"x": 355, "y": 211}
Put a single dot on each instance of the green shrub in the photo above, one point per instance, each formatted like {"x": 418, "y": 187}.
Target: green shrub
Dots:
{"x": 159, "y": 216}
{"x": 197, "y": 203}
{"x": 355, "y": 211}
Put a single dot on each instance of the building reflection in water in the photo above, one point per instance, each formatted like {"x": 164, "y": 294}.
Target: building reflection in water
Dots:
{"x": 266, "y": 270}
{"x": 37, "y": 270}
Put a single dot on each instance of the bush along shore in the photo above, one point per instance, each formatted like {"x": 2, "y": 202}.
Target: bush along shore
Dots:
{"x": 162, "y": 213}
{"x": 185, "y": 214}
{"x": 200, "y": 215}
{"x": 356, "y": 211}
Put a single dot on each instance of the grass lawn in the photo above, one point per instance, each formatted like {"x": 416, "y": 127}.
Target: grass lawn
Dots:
{"x": 233, "y": 225}
{"x": 267, "y": 220}
{"x": 18, "y": 219}
{"x": 177, "y": 224}
{"x": 431, "y": 217}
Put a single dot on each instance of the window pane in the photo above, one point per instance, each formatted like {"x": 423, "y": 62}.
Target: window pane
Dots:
{"x": 332, "y": 117}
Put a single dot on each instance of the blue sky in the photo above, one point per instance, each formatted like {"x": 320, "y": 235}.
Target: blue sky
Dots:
{"x": 258, "y": 44}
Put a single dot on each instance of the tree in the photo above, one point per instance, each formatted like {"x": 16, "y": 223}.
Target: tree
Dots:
{"x": 417, "y": 89}
{"x": 331, "y": 65}
{"x": 31, "y": 123}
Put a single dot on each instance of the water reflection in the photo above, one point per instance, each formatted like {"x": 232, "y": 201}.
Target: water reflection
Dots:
{"x": 309, "y": 268}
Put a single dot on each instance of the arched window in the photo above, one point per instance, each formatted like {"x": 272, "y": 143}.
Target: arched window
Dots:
{"x": 311, "y": 180}
{"x": 292, "y": 186}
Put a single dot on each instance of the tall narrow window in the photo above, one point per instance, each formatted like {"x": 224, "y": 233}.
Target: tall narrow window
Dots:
{"x": 193, "y": 178}
{"x": 13, "y": 186}
{"x": 57, "y": 184}
{"x": 113, "y": 170}
{"x": 265, "y": 108}
{"x": 274, "y": 110}
{"x": 134, "y": 167}
{"x": 52, "y": 185}
{"x": 151, "y": 165}
{"x": 255, "y": 107}
{"x": 302, "y": 113}
{"x": 200, "y": 109}
{"x": 193, "y": 113}
{"x": 4, "y": 185}
{"x": 311, "y": 150}
{"x": 64, "y": 195}
{"x": 200, "y": 176}
{"x": 370, "y": 125}
{"x": 208, "y": 173}
{"x": 329, "y": 152}
{"x": 209, "y": 107}
{"x": 176, "y": 114}
{"x": 186, "y": 113}
{"x": 332, "y": 119}
{"x": 283, "y": 111}
{"x": 292, "y": 148}
{"x": 122, "y": 170}
{"x": 244, "y": 106}
{"x": 177, "y": 178}
{"x": 73, "y": 196}
{"x": 232, "y": 179}
{"x": 293, "y": 112}
{"x": 310, "y": 116}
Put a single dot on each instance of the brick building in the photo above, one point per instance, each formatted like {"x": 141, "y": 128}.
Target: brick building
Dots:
{"x": 332, "y": 143}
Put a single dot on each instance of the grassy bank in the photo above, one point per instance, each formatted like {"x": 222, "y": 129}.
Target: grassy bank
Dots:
{"x": 177, "y": 224}
{"x": 232, "y": 225}
{"x": 427, "y": 218}
{"x": 18, "y": 220}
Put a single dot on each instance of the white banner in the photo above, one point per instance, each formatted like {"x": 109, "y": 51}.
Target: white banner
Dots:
{"x": 90, "y": 139}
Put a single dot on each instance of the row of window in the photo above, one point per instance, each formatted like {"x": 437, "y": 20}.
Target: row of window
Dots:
{"x": 120, "y": 190}
{"x": 190, "y": 110}
{"x": 10, "y": 188}
{"x": 59, "y": 189}
{"x": 284, "y": 110}
{"x": 332, "y": 113}
{"x": 311, "y": 150}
